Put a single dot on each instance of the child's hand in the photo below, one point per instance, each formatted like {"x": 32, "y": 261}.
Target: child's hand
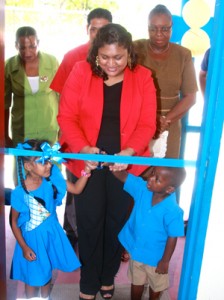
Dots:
{"x": 29, "y": 254}
{"x": 162, "y": 267}
{"x": 89, "y": 166}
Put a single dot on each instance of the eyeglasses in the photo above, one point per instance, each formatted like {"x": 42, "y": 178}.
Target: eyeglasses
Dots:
{"x": 164, "y": 29}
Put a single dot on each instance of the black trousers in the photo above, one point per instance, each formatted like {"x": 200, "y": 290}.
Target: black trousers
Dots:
{"x": 101, "y": 212}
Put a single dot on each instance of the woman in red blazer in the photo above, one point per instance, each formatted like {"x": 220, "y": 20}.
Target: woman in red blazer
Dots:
{"x": 107, "y": 103}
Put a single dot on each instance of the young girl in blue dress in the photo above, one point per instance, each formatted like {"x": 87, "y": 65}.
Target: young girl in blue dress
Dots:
{"x": 41, "y": 244}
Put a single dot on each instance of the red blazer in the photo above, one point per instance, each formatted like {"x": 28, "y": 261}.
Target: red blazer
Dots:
{"x": 81, "y": 107}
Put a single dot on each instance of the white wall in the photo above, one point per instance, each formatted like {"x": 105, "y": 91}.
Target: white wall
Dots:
{"x": 211, "y": 283}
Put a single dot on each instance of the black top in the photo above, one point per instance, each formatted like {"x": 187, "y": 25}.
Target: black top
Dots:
{"x": 109, "y": 135}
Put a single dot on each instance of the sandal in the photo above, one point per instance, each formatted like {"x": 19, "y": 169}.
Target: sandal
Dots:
{"x": 110, "y": 293}
{"x": 125, "y": 256}
{"x": 81, "y": 298}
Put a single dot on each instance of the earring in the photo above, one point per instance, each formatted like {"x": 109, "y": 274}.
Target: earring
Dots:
{"x": 97, "y": 61}
{"x": 129, "y": 62}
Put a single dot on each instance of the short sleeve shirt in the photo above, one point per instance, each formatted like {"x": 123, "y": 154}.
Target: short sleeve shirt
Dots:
{"x": 146, "y": 232}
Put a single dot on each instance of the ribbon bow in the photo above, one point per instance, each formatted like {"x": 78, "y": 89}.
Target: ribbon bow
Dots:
{"x": 23, "y": 146}
{"x": 50, "y": 153}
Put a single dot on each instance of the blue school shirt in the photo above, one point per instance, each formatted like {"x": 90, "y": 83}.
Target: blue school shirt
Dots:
{"x": 146, "y": 232}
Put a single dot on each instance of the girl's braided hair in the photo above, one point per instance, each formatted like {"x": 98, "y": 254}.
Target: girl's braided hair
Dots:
{"x": 36, "y": 146}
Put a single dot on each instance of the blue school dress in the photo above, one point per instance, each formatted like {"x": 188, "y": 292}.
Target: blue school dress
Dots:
{"x": 42, "y": 232}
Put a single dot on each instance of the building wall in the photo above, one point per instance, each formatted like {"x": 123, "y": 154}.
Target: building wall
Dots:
{"x": 211, "y": 285}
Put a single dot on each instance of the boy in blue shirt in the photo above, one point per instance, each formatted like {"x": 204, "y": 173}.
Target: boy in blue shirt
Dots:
{"x": 151, "y": 232}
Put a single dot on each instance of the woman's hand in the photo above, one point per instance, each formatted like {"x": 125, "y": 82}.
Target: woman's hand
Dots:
{"x": 90, "y": 150}
{"x": 176, "y": 113}
{"x": 90, "y": 165}
{"x": 163, "y": 124}
{"x": 121, "y": 166}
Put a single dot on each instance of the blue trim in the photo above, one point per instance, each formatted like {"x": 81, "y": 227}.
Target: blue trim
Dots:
{"x": 212, "y": 126}
{"x": 138, "y": 160}
{"x": 184, "y": 2}
{"x": 190, "y": 128}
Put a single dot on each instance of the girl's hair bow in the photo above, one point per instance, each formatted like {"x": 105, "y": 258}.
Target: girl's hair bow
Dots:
{"x": 50, "y": 153}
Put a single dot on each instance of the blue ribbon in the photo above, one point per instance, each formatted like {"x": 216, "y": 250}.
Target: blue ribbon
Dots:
{"x": 22, "y": 146}
{"x": 138, "y": 160}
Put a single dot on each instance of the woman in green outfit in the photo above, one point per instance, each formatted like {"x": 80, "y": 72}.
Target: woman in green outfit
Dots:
{"x": 29, "y": 101}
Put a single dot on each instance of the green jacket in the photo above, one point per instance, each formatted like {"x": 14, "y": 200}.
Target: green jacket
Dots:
{"x": 33, "y": 115}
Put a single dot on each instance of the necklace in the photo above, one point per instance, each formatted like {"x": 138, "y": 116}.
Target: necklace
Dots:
{"x": 159, "y": 52}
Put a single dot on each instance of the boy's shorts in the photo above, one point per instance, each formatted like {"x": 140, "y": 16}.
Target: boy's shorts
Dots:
{"x": 141, "y": 274}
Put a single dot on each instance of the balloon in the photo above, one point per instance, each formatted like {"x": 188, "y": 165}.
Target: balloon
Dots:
{"x": 196, "y": 40}
{"x": 196, "y": 13}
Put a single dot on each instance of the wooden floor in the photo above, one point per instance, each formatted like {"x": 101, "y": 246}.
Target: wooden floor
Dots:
{"x": 15, "y": 289}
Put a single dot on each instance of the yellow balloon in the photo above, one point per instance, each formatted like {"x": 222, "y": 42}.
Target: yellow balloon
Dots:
{"x": 196, "y": 40}
{"x": 196, "y": 13}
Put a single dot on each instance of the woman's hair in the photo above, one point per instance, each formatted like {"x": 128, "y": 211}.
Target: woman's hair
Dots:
{"x": 25, "y": 31}
{"x": 160, "y": 10}
{"x": 107, "y": 35}
{"x": 34, "y": 145}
